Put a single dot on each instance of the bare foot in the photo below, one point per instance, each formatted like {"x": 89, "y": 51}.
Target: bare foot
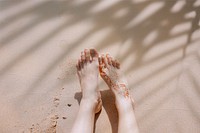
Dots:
{"x": 112, "y": 75}
{"x": 88, "y": 72}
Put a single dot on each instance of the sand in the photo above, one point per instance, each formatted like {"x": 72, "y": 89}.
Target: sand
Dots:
{"x": 157, "y": 43}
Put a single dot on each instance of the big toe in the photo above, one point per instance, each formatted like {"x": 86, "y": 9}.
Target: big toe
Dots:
{"x": 94, "y": 54}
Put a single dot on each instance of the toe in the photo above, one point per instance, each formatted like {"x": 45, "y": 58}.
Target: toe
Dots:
{"x": 113, "y": 63}
{"x": 83, "y": 57}
{"x": 94, "y": 54}
{"x": 117, "y": 64}
{"x": 104, "y": 60}
{"x": 100, "y": 61}
{"x": 87, "y": 55}
{"x": 109, "y": 59}
{"x": 79, "y": 65}
{"x": 102, "y": 65}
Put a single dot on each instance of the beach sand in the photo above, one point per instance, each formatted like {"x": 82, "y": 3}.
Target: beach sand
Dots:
{"x": 157, "y": 43}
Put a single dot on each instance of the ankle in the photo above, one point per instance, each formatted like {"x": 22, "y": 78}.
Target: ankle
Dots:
{"x": 124, "y": 103}
{"x": 90, "y": 101}
{"x": 87, "y": 104}
{"x": 91, "y": 96}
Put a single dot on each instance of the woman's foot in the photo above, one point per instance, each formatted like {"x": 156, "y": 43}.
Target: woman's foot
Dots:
{"x": 88, "y": 72}
{"x": 112, "y": 75}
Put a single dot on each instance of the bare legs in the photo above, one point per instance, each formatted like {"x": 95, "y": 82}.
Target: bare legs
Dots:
{"x": 110, "y": 72}
{"x": 88, "y": 69}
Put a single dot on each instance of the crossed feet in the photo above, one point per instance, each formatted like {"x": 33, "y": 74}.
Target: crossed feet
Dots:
{"x": 89, "y": 66}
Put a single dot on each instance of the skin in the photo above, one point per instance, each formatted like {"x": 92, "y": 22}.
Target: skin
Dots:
{"x": 112, "y": 75}
{"x": 87, "y": 71}
{"x": 89, "y": 67}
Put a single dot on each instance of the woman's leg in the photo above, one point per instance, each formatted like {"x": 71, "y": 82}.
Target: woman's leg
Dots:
{"x": 88, "y": 72}
{"x": 110, "y": 72}
{"x": 127, "y": 120}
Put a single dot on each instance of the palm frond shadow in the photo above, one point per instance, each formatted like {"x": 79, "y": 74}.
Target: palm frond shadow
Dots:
{"x": 124, "y": 21}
